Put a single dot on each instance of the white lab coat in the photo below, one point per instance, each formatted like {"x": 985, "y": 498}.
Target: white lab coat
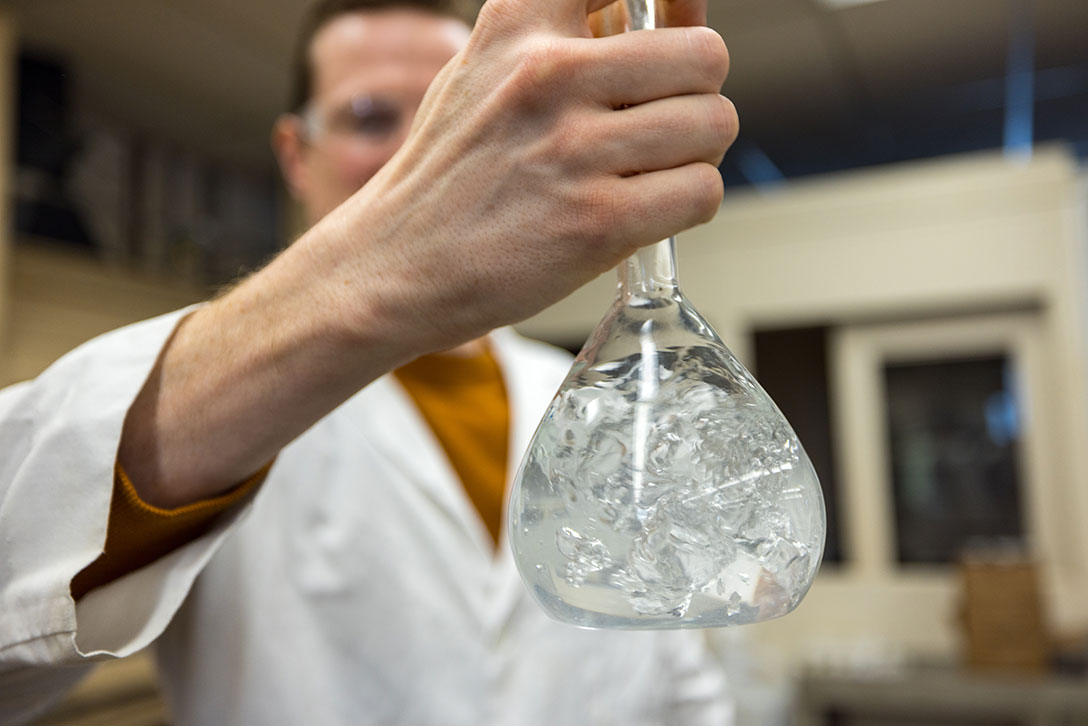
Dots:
{"x": 358, "y": 587}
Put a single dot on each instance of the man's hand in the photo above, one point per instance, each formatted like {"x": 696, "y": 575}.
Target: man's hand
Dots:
{"x": 541, "y": 157}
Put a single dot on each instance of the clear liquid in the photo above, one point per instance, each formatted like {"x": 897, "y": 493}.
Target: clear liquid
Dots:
{"x": 666, "y": 490}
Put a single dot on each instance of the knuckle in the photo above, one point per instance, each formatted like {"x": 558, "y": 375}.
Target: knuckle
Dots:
{"x": 724, "y": 122}
{"x": 710, "y": 52}
{"x": 563, "y": 143}
{"x": 544, "y": 64}
{"x": 602, "y": 210}
{"x": 711, "y": 192}
{"x": 494, "y": 15}
{"x": 570, "y": 138}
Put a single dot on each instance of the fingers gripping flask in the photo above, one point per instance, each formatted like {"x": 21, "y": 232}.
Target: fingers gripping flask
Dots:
{"x": 663, "y": 487}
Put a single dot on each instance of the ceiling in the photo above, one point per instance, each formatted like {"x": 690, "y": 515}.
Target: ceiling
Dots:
{"x": 809, "y": 82}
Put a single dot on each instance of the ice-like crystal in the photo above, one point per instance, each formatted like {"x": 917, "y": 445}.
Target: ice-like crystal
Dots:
{"x": 696, "y": 496}
{"x": 584, "y": 555}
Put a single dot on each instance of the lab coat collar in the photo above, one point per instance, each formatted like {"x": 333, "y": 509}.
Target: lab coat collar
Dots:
{"x": 403, "y": 433}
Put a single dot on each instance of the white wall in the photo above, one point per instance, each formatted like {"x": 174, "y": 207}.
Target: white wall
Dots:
{"x": 59, "y": 299}
{"x": 918, "y": 242}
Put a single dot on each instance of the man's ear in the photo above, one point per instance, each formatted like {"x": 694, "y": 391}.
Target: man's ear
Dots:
{"x": 289, "y": 147}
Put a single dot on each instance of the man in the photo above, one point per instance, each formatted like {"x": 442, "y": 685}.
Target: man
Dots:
{"x": 365, "y": 580}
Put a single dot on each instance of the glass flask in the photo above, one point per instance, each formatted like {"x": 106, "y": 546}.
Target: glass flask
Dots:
{"x": 663, "y": 487}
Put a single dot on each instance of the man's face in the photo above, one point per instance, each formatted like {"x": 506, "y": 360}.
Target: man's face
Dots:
{"x": 370, "y": 72}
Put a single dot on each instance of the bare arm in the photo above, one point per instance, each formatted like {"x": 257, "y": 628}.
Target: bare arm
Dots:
{"x": 541, "y": 158}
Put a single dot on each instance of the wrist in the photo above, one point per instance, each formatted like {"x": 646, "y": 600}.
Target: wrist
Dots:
{"x": 377, "y": 282}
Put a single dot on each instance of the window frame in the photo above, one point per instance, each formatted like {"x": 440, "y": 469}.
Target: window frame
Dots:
{"x": 858, "y": 355}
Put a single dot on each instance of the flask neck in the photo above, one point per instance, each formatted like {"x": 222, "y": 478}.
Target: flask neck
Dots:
{"x": 642, "y": 15}
{"x": 650, "y": 273}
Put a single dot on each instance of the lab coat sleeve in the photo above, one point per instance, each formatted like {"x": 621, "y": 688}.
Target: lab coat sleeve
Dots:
{"x": 58, "y": 444}
{"x": 700, "y": 693}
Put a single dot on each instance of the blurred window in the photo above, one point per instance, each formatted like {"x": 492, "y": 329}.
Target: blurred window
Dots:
{"x": 953, "y": 426}
{"x": 792, "y": 366}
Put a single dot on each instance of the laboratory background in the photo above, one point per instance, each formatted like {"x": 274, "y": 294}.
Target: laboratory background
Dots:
{"x": 901, "y": 258}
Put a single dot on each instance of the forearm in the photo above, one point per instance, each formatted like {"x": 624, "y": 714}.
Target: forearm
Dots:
{"x": 249, "y": 372}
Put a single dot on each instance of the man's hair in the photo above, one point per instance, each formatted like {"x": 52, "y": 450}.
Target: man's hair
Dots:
{"x": 323, "y": 12}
